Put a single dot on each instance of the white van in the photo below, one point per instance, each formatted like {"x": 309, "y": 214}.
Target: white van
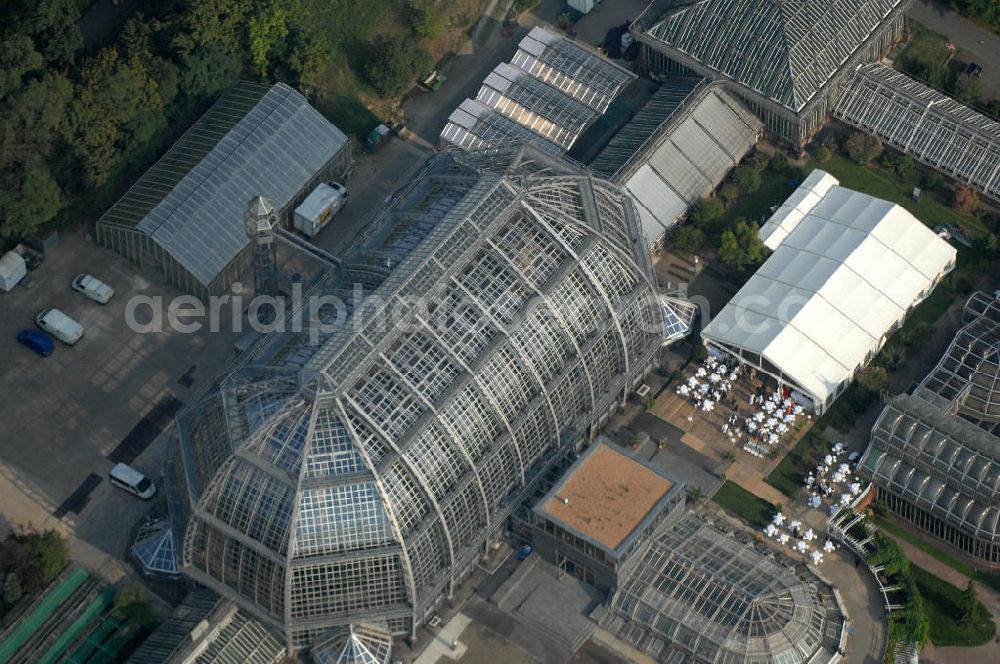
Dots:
{"x": 319, "y": 207}
{"x": 129, "y": 479}
{"x": 59, "y": 325}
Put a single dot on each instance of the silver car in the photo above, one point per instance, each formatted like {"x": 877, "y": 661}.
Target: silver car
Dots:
{"x": 92, "y": 287}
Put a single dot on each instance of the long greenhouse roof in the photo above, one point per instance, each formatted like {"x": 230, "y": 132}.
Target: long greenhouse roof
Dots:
{"x": 786, "y": 51}
{"x": 688, "y": 157}
{"x": 939, "y": 447}
{"x": 550, "y": 92}
{"x": 256, "y": 140}
{"x": 921, "y": 121}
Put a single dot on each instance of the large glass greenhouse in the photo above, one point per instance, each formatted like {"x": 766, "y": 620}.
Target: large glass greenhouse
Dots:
{"x": 356, "y": 471}
{"x": 701, "y": 596}
{"x": 935, "y": 453}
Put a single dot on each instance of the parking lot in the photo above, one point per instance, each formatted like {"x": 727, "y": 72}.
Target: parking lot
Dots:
{"x": 65, "y": 417}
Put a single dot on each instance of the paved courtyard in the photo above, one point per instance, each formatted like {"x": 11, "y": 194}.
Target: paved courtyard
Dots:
{"x": 68, "y": 416}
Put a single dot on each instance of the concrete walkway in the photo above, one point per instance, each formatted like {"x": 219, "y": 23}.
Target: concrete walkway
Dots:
{"x": 989, "y": 652}
{"x": 753, "y": 481}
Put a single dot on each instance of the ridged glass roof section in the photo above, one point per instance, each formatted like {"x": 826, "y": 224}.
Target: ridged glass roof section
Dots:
{"x": 646, "y": 124}
{"x": 786, "y": 51}
{"x": 541, "y": 108}
{"x": 921, "y": 121}
{"x": 570, "y": 68}
{"x": 192, "y": 202}
{"x": 475, "y": 127}
{"x": 185, "y": 154}
{"x": 942, "y": 464}
{"x": 699, "y": 595}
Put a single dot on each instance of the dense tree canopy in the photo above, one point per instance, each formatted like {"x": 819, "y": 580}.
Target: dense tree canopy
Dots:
{"x": 78, "y": 120}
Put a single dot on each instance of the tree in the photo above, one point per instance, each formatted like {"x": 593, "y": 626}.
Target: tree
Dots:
{"x": 741, "y": 246}
{"x": 52, "y": 24}
{"x": 729, "y": 192}
{"x": 966, "y": 199}
{"x": 12, "y": 591}
{"x": 267, "y": 31}
{"x": 395, "y": 64}
{"x": 966, "y": 88}
{"x": 779, "y": 162}
{"x": 985, "y": 244}
{"x": 706, "y": 211}
{"x": 695, "y": 494}
{"x": 934, "y": 181}
{"x": 206, "y": 22}
{"x": 902, "y": 165}
{"x": 759, "y": 159}
{"x": 689, "y": 238}
{"x": 863, "y": 148}
{"x": 972, "y": 612}
{"x": 428, "y": 22}
{"x": 28, "y": 199}
{"x": 46, "y": 553}
{"x": 747, "y": 178}
{"x": 116, "y": 111}
{"x": 208, "y": 71}
{"x": 823, "y": 154}
{"x": 873, "y": 379}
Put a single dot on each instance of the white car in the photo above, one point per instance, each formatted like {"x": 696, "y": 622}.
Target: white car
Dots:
{"x": 59, "y": 325}
{"x": 92, "y": 287}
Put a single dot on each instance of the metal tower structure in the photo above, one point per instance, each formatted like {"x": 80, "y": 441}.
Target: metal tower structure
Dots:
{"x": 261, "y": 222}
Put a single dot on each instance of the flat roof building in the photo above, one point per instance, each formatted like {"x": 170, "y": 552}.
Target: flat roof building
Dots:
{"x": 934, "y": 455}
{"x": 601, "y": 511}
{"x": 846, "y": 270}
{"x": 182, "y": 221}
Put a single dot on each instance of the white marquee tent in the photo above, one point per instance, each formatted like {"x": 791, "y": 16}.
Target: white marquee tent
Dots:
{"x": 846, "y": 270}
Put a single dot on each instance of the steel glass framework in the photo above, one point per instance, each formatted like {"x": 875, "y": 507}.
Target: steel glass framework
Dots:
{"x": 698, "y": 595}
{"x": 359, "y": 478}
{"x": 687, "y": 157}
{"x": 550, "y": 91}
{"x": 782, "y": 58}
{"x": 355, "y": 644}
{"x": 183, "y": 219}
{"x": 935, "y": 454}
{"x": 922, "y": 122}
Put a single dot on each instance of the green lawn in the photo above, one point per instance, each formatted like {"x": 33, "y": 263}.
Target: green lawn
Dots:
{"x": 943, "y": 603}
{"x": 789, "y": 475}
{"x": 737, "y": 500}
{"x": 924, "y": 544}
{"x": 880, "y": 183}
{"x": 774, "y": 189}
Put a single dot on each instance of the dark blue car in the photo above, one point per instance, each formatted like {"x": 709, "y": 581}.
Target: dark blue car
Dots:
{"x": 37, "y": 341}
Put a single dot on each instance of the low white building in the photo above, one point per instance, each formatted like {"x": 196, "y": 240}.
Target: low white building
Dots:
{"x": 846, "y": 270}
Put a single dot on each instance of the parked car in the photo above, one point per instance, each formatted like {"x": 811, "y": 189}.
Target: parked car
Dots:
{"x": 972, "y": 70}
{"x": 37, "y": 341}
{"x": 127, "y": 478}
{"x": 92, "y": 287}
{"x": 59, "y": 325}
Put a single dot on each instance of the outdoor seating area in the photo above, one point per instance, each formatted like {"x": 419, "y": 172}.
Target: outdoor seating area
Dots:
{"x": 773, "y": 416}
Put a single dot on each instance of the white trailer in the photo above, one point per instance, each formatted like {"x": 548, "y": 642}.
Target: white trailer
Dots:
{"x": 12, "y": 270}
{"x": 319, "y": 207}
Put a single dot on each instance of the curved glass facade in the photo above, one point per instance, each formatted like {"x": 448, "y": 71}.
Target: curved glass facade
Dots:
{"x": 368, "y": 491}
